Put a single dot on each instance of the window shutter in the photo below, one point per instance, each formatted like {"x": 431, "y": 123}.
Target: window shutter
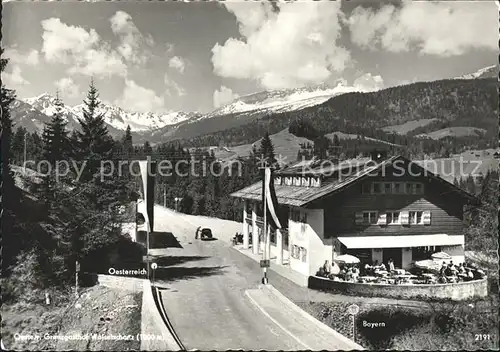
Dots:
{"x": 405, "y": 217}
{"x": 359, "y": 218}
{"x": 382, "y": 219}
{"x": 426, "y": 217}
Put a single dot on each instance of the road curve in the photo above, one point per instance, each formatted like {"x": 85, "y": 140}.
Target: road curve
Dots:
{"x": 203, "y": 292}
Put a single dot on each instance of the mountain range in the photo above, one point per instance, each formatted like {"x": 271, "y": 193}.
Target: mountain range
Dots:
{"x": 32, "y": 113}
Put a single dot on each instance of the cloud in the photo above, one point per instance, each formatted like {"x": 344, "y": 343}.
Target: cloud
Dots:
{"x": 284, "y": 45}
{"x": 368, "y": 83}
{"x": 68, "y": 87}
{"x": 139, "y": 99}
{"x": 83, "y": 49}
{"x": 30, "y": 58}
{"x": 169, "y": 48}
{"x": 132, "y": 43}
{"x": 14, "y": 78}
{"x": 437, "y": 28}
{"x": 177, "y": 63}
{"x": 224, "y": 96}
{"x": 173, "y": 87}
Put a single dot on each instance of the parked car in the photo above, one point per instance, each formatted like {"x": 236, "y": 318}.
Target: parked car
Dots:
{"x": 206, "y": 234}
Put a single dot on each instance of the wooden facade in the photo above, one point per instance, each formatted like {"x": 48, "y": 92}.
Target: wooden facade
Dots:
{"x": 445, "y": 208}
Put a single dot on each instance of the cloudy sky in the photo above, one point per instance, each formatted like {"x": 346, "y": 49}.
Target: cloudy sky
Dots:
{"x": 198, "y": 56}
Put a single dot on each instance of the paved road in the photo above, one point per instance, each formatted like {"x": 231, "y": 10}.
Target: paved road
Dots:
{"x": 204, "y": 295}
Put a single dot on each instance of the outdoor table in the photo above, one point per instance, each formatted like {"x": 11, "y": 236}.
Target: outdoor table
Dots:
{"x": 381, "y": 273}
{"x": 368, "y": 278}
{"x": 400, "y": 271}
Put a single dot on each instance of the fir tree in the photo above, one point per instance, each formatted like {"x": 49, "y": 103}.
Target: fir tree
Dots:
{"x": 17, "y": 145}
{"x": 94, "y": 143}
{"x": 55, "y": 136}
{"x": 55, "y": 148}
{"x": 266, "y": 151}
{"x": 148, "y": 150}
{"x": 7, "y": 97}
{"x": 9, "y": 200}
{"x": 127, "y": 145}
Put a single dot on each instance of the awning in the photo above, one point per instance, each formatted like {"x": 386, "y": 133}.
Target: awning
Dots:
{"x": 401, "y": 241}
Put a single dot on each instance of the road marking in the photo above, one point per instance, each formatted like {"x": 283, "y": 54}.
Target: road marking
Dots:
{"x": 275, "y": 322}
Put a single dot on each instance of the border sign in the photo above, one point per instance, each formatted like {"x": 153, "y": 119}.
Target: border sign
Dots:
{"x": 265, "y": 263}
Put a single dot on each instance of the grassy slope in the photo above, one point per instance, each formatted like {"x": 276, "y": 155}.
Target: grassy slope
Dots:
{"x": 103, "y": 311}
{"x": 285, "y": 144}
{"x": 408, "y": 126}
{"x": 454, "y": 132}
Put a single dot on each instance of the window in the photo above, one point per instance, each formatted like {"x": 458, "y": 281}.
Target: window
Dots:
{"x": 416, "y": 217}
{"x": 393, "y": 218}
{"x": 419, "y": 188}
{"x": 370, "y": 217}
{"x": 398, "y": 188}
{"x": 392, "y": 188}
{"x": 408, "y": 188}
{"x": 303, "y": 254}
{"x": 366, "y": 188}
{"x": 388, "y": 188}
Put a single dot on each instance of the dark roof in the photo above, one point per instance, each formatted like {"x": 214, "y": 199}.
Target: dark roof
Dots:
{"x": 300, "y": 195}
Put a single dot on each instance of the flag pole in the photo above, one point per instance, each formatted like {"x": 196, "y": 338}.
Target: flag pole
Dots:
{"x": 264, "y": 277}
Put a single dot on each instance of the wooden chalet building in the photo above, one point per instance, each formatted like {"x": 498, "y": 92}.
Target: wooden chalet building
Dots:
{"x": 374, "y": 208}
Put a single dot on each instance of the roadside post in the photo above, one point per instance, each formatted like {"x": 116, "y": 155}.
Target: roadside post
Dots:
{"x": 154, "y": 266}
{"x": 353, "y": 309}
{"x": 77, "y": 270}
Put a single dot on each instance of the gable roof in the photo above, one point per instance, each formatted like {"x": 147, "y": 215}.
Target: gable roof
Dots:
{"x": 300, "y": 196}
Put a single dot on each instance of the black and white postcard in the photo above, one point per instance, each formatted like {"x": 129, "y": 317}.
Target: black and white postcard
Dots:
{"x": 249, "y": 175}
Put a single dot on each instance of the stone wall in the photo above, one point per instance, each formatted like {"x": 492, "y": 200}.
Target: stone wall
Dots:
{"x": 458, "y": 291}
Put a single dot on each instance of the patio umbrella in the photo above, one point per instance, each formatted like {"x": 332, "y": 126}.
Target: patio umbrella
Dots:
{"x": 347, "y": 259}
{"x": 428, "y": 264}
{"x": 441, "y": 256}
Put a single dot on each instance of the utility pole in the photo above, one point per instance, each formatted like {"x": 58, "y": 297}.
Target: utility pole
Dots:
{"x": 264, "y": 278}
{"x": 147, "y": 247}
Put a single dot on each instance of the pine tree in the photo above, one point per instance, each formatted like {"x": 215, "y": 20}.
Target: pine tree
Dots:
{"x": 127, "y": 151}
{"x": 9, "y": 200}
{"x": 55, "y": 136}
{"x": 94, "y": 143}
{"x": 127, "y": 145}
{"x": 55, "y": 147}
{"x": 266, "y": 151}
{"x": 148, "y": 150}
{"x": 17, "y": 146}
{"x": 7, "y": 97}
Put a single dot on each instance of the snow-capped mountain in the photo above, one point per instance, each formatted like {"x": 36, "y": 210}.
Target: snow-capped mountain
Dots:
{"x": 485, "y": 72}
{"x": 283, "y": 100}
{"x": 138, "y": 121}
{"x": 32, "y": 113}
